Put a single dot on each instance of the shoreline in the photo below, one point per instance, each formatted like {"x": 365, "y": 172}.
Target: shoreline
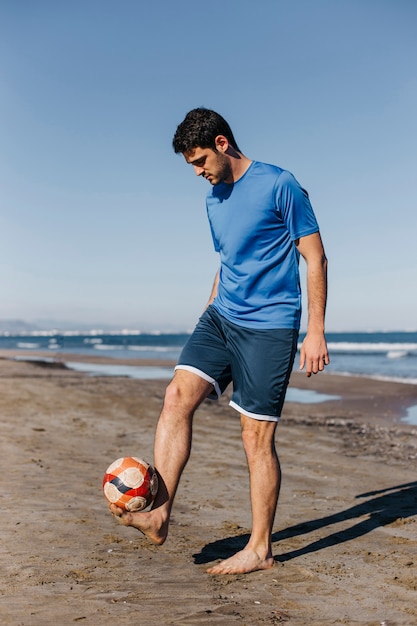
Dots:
{"x": 380, "y": 401}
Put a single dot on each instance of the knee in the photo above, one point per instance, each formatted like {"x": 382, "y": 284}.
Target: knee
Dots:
{"x": 174, "y": 395}
{"x": 186, "y": 391}
{"x": 180, "y": 397}
{"x": 258, "y": 439}
{"x": 251, "y": 441}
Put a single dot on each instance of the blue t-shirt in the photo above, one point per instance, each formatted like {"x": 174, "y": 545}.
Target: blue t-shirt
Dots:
{"x": 254, "y": 223}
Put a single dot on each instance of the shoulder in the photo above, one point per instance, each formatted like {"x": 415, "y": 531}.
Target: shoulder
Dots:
{"x": 280, "y": 176}
{"x": 264, "y": 175}
{"x": 266, "y": 169}
{"x": 287, "y": 185}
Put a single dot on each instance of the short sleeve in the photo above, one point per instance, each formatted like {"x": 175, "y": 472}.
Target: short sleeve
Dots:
{"x": 294, "y": 207}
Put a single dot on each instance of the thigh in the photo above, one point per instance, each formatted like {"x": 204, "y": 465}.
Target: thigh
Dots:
{"x": 262, "y": 365}
{"x": 205, "y": 353}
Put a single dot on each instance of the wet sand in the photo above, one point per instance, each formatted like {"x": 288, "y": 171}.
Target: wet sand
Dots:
{"x": 345, "y": 536}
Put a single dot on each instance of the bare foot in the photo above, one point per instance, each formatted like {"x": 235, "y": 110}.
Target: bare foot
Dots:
{"x": 149, "y": 523}
{"x": 242, "y": 563}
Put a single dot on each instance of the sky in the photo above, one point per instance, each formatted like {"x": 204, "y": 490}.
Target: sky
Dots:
{"x": 101, "y": 223}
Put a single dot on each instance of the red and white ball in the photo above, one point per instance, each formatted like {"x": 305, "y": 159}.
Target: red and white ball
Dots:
{"x": 130, "y": 483}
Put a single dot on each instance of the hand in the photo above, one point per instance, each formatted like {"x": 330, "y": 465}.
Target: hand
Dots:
{"x": 313, "y": 354}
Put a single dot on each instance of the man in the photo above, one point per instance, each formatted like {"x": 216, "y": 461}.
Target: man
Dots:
{"x": 261, "y": 221}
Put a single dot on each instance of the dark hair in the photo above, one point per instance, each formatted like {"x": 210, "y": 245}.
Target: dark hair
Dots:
{"x": 199, "y": 129}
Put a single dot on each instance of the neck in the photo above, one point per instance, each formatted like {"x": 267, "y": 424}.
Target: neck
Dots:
{"x": 238, "y": 166}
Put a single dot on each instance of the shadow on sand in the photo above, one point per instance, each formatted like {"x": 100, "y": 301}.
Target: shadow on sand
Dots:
{"x": 379, "y": 509}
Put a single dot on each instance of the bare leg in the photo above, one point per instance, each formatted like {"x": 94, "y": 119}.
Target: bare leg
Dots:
{"x": 171, "y": 452}
{"x": 265, "y": 480}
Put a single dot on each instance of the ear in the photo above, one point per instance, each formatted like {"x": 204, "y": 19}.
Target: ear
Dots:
{"x": 221, "y": 143}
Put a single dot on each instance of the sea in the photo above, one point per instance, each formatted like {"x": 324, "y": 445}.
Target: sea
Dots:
{"x": 383, "y": 355}
{"x": 390, "y": 356}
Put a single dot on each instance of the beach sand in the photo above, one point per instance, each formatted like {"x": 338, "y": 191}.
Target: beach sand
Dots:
{"x": 345, "y": 536}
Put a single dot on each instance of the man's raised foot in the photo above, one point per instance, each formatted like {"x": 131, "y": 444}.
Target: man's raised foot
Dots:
{"x": 149, "y": 523}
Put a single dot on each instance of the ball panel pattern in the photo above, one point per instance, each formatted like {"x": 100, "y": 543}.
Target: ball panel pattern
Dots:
{"x": 138, "y": 503}
{"x": 130, "y": 483}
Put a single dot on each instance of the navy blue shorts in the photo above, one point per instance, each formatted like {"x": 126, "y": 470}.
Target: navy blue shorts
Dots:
{"x": 258, "y": 362}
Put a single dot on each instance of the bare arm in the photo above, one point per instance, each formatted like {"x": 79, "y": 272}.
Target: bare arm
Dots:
{"x": 214, "y": 289}
{"x": 314, "y": 355}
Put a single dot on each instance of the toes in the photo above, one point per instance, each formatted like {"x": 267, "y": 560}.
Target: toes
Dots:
{"x": 115, "y": 510}
{"x": 240, "y": 565}
{"x": 219, "y": 569}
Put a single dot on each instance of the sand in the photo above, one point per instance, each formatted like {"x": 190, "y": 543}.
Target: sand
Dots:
{"x": 345, "y": 536}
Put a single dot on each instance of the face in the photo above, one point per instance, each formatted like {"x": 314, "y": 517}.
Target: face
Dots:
{"x": 213, "y": 165}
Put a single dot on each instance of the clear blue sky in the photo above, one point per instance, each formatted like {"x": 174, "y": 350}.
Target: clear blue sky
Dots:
{"x": 101, "y": 223}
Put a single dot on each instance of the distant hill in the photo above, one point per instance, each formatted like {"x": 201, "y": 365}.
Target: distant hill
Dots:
{"x": 22, "y": 327}
{"x": 17, "y": 326}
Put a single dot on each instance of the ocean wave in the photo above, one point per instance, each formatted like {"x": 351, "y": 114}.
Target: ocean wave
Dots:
{"x": 354, "y": 347}
{"x": 397, "y": 354}
{"x": 28, "y": 345}
{"x": 152, "y": 348}
{"x": 389, "y": 379}
{"x": 105, "y": 346}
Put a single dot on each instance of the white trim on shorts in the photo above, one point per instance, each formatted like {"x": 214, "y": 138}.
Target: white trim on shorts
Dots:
{"x": 255, "y": 416}
{"x": 203, "y": 375}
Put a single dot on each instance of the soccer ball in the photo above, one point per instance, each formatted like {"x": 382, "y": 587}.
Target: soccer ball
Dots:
{"x": 130, "y": 483}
